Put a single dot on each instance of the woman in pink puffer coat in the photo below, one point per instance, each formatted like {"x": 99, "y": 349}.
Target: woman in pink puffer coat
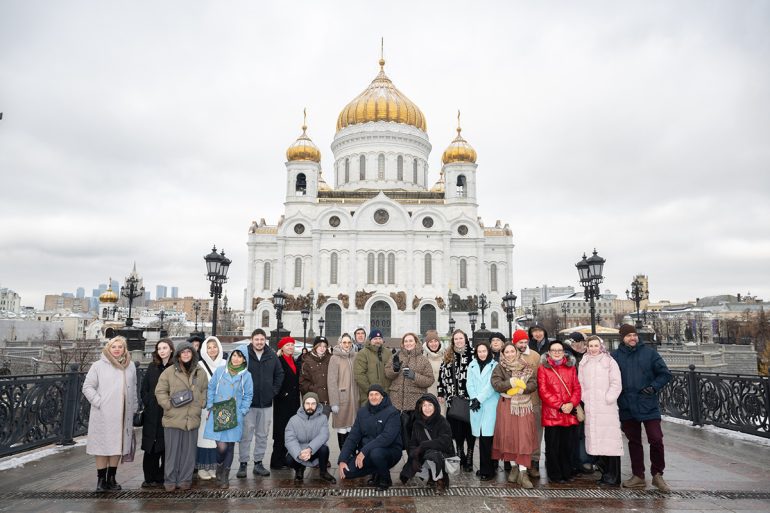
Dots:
{"x": 600, "y": 382}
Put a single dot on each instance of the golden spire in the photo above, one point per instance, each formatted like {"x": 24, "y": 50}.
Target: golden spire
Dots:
{"x": 303, "y": 148}
{"x": 382, "y": 54}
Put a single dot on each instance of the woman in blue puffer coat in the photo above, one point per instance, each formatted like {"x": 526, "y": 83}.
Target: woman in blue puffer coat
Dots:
{"x": 230, "y": 381}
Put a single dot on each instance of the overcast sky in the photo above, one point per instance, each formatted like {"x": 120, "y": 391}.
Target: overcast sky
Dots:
{"x": 146, "y": 131}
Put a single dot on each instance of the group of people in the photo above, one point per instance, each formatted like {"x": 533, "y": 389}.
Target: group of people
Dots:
{"x": 433, "y": 402}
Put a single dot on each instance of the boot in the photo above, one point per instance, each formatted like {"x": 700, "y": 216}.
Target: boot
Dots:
{"x": 524, "y": 481}
{"x": 444, "y": 481}
{"x": 224, "y": 482}
{"x": 659, "y": 483}
{"x": 462, "y": 456}
{"x": 611, "y": 473}
{"x": 299, "y": 475}
{"x": 534, "y": 469}
{"x": 468, "y": 467}
{"x": 324, "y": 474}
{"x": 634, "y": 482}
{"x": 513, "y": 477}
{"x": 241, "y": 470}
{"x": 220, "y": 470}
{"x": 101, "y": 480}
{"x": 111, "y": 483}
{"x": 260, "y": 470}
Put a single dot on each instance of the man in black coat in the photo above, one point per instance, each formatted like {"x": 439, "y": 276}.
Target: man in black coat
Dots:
{"x": 429, "y": 444}
{"x": 267, "y": 376}
{"x": 374, "y": 443}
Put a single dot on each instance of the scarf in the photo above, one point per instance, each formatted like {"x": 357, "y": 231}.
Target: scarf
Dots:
{"x": 290, "y": 362}
{"x": 483, "y": 363}
{"x": 517, "y": 367}
{"x": 235, "y": 370}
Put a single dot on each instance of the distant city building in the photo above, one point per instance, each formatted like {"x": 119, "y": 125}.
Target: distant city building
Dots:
{"x": 160, "y": 291}
{"x": 542, "y": 294}
{"x": 10, "y": 301}
{"x": 80, "y": 293}
{"x": 60, "y": 303}
{"x": 184, "y": 305}
{"x": 67, "y": 294}
{"x": 101, "y": 289}
{"x": 115, "y": 285}
{"x": 572, "y": 310}
{"x": 147, "y": 295}
{"x": 174, "y": 292}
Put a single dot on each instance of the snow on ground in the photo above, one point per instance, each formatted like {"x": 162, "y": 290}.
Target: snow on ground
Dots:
{"x": 19, "y": 461}
{"x": 735, "y": 435}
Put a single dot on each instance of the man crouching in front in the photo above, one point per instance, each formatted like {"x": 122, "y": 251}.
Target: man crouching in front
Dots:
{"x": 373, "y": 446}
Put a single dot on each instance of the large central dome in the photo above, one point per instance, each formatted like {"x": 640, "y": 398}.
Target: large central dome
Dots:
{"x": 381, "y": 101}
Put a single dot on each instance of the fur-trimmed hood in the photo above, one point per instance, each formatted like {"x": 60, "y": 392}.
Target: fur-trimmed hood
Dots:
{"x": 544, "y": 360}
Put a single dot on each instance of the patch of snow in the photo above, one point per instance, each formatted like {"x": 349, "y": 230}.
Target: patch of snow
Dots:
{"x": 19, "y": 460}
{"x": 735, "y": 435}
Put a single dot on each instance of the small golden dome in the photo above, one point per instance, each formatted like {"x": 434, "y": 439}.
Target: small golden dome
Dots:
{"x": 439, "y": 186}
{"x": 381, "y": 101}
{"x": 459, "y": 150}
{"x": 108, "y": 296}
{"x": 303, "y": 148}
{"x": 322, "y": 185}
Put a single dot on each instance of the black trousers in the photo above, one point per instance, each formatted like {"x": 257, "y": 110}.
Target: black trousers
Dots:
{"x": 461, "y": 433}
{"x": 322, "y": 454}
{"x": 558, "y": 453}
{"x": 413, "y": 465}
{"x": 152, "y": 466}
{"x": 487, "y": 466}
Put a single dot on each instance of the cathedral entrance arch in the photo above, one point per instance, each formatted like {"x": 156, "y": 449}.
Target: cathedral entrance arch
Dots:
{"x": 380, "y": 317}
{"x": 333, "y": 321}
{"x": 427, "y": 318}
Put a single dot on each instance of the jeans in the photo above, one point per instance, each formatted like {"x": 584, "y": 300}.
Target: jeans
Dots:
{"x": 633, "y": 431}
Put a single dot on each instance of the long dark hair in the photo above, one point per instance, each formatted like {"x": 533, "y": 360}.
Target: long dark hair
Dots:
{"x": 156, "y": 359}
{"x": 450, "y": 352}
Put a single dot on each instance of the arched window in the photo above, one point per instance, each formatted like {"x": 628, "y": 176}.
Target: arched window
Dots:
{"x": 301, "y": 187}
{"x": 266, "y": 277}
{"x": 400, "y": 167}
{"x": 298, "y": 272}
{"x": 414, "y": 171}
{"x": 347, "y": 170}
{"x": 495, "y": 320}
{"x": 461, "y": 192}
{"x": 391, "y": 268}
{"x": 333, "y": 317}
{"x": 362, "y": 168}
{"x": 428, "y": 269}
{"x": 493, "y": 277}
{"x": 381, "y": 268}
{"x": 381, "y": 167}
{"x": 427, "y": 318}
{"x": 333, "y": 269}
{"x": 370, "y": 268}
{"x": 265, "y": 319}
{"x": 463, "y": 274}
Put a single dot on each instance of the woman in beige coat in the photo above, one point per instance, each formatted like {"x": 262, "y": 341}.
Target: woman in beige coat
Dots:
{"x": 343, "y": 391}
{"x": 110, "y": 387}
{"x": 181, "y": 423}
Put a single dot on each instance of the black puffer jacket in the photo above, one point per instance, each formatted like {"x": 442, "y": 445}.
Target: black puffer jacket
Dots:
{"x": 267, "y": 375}
{"x": 533, "y": 345}
{"x": 435, "y": 425}
{"x": 152, "y": 429}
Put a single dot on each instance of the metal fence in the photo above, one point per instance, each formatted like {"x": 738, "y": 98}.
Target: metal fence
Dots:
{"x": 43, "y": 409}
{"x": 730, "y": 401}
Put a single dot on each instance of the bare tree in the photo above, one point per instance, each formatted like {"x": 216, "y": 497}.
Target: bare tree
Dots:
{"x": 61, "y": 353}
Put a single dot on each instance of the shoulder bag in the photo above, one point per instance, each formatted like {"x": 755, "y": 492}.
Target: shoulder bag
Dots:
{"x": 225, "y": 412}
{"x": 458, "y": 407}
{"x": 451, "y": 463}
{"x": 579, "y": 413}
{"x": 184, "y": 397}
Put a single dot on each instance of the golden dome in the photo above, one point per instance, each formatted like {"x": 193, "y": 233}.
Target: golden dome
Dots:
{"x": 303, "y": 148}
{"x": 439, "y": 186}
{"x": 322, "y": 185}
{"x": 459, "y": 150}
{"x": 108, "y": 296}
{"x": 381, "y": 101}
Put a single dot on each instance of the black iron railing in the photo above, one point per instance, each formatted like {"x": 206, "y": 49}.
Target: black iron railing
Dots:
{"x": 730, "y": 401}
{"x": 43, "y": 409}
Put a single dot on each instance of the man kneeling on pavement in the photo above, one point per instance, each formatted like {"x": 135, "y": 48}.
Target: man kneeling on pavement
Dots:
{"x": 306, "y": 435}
{"x": 373, "y": 446}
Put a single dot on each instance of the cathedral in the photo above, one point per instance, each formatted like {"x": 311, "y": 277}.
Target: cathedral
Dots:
{"x": 381, "y": 246}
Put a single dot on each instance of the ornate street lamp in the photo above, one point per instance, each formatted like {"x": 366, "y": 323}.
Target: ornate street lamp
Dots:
{"x": 197, "y": 309}
{"x": 483, "y": 305}
{"x": 162, "y": 315}
{"x": 305, "y": 316}
{"x": 449, "y": 311}
{"x": 472, "y": 316}
{"x": 311, "y": 307}
{"x": 637, "y": 294}
{"x": 279, "y": 300}
{"x": 451, "y": 325}
{"x": 509, "y": 300}
{"x": 590, "y": 273}
{"x": 564, "y": 310}
{"x": 217, "y": 265}
{"x": 321, "y": 323}
{"x": 534, "y": 311}
{"x": 131, "y": 291}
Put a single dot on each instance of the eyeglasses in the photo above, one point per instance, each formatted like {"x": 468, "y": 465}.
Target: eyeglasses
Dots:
{"x": 556, "y": 351}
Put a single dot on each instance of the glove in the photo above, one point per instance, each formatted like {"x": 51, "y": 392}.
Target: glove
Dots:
{"x": 396, "y": 363}
{"x": 648, "y": 390}
{"x": 335, "y": 408}
{"x": 474, "y": 405}
{"x": 409, "y": 373}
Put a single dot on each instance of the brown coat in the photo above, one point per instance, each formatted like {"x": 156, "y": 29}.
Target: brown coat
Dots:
{"x": 342, "y": 388}
{"x": 404, "y": 393}
{"x": 313, "y": 375}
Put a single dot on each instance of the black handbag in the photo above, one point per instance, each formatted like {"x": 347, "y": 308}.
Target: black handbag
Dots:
{"x": 185, "y": 396}
{"x": 139, "y": 418}
{"x": 459, "y": 409}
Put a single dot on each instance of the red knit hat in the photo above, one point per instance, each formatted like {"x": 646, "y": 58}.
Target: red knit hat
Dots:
{"x": 284, "y": 341}
{"x": 520, "y": 335}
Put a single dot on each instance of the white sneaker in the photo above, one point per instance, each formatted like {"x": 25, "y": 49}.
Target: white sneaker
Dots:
{"x": 205, "y": 474}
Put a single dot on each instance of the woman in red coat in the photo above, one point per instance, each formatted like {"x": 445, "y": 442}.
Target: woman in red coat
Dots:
{"x": 559, "y": 392}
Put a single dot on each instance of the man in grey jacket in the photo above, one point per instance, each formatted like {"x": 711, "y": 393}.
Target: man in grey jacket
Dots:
{"x": 306, "y": 435}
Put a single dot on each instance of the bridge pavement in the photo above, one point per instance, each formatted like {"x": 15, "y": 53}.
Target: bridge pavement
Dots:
{"x": 708, "y": 471}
